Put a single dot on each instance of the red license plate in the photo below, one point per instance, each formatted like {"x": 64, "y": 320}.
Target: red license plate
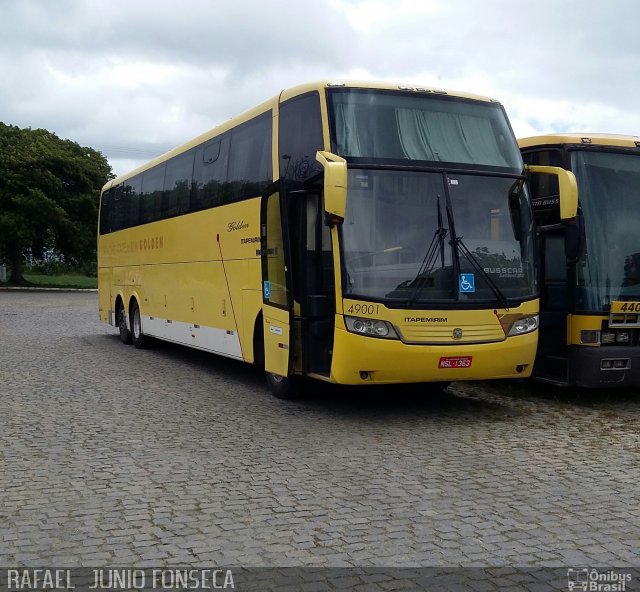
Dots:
{"x": 455, "y": 362}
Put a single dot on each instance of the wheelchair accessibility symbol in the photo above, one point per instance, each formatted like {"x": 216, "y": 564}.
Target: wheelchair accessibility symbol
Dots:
{"x": 266, "y": 289}
{"x": 466, "y": 283}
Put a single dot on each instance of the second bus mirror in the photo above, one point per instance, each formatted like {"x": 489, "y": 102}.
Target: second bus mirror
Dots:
{"x": 335, "y": 184}
{"x": 567, "y": 188}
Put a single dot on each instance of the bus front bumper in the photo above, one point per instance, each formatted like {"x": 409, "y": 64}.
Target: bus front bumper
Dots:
{"x": 595, "y": 367}
{"x": 365, "y": 360}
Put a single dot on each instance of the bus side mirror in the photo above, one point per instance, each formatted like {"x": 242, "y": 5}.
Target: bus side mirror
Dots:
{"x": 335, "y": 185}
{"x": 567, "y": 185}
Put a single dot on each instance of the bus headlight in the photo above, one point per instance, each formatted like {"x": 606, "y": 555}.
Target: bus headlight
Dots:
{"x": 623, "y": 337}
{"x": 590, "y": 336}
{"x": 371, "y": 327}
{"x": 524, "y": 325}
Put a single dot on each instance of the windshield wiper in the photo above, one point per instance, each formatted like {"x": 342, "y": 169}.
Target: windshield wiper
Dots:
{"x": 429, "y": 261}
{"x": 460, "y": 246}
{"x": 502, "y": 299}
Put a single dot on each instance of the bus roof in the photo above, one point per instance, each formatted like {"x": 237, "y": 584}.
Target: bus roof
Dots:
{"x": 580, "y": 139}
{"x": 283, "y": 96}
{"x": 323, "y": 84}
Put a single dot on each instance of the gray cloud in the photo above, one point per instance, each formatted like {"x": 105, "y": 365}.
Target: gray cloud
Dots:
{"x": 136, "y": 78}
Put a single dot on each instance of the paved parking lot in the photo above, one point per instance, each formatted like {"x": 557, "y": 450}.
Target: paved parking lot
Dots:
{"x": 114, "y": 456}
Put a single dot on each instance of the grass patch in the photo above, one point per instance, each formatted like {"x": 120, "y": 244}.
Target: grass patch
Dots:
{"x": 63, "y": 280}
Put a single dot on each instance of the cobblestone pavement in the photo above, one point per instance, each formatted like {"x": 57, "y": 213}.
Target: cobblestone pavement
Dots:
{"x": 115, "y": 456}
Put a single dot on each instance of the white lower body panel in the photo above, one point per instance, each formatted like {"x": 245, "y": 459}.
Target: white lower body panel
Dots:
{"x": 218, "y": 341}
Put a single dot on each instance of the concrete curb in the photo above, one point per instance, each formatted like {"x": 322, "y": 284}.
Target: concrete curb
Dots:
{"x": 44, "y": 289}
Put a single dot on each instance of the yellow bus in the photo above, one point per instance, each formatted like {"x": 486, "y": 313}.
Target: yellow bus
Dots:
{"x": 590, "y": 295}
{"x": 359, "y": 234}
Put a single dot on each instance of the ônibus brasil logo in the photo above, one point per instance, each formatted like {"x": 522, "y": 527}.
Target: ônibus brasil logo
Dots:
{"x": 583, "y": 579}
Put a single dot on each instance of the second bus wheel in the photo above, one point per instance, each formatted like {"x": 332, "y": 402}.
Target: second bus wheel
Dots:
{"x": 283, "y": 387}
{"x": 140, "y": 340}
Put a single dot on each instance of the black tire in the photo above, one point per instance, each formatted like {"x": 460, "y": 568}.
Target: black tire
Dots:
{"x": 422, "y": 390}
{"x": 139, "y": 339}
{"x": 121, "y": 318}
{"x": 283, "y": 387}
{"x": 438, "y": 387}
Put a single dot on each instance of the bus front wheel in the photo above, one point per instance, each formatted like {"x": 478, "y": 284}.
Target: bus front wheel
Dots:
{"x": 283, "y": 387}
{"x": 140, "y": 340}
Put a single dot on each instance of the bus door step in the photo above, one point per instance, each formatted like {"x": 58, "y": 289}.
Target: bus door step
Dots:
{"x": 549, "y": 380}
{"x": 552, "y": 369}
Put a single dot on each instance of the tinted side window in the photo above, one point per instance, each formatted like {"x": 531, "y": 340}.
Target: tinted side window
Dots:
{"x": 300, "y": 137}
{"x": 210, "y": 173}
{"x": 545, "y": 194}
{"x": 250, "y": 168}
{"x": 543, "y": 185}
{"x": 177, "y": 185}
{"x": 555, "y": 262}
{"x": 152, "y": 186}
{"x": 118, "y": 209}
{"x": 234, "y": 166}
{"x": 105, "y": 202}
{"x": 549, "y": 157}
{"x": 131, "y": 194}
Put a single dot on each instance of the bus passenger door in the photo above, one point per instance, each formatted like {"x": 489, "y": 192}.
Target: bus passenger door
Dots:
{"x": 313, "y": 285}
{"x": 276, "y": 282}
{"x": 551, "y": 362}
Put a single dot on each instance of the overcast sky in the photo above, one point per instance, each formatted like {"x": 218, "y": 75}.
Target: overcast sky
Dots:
{"x": 133, "y": 78}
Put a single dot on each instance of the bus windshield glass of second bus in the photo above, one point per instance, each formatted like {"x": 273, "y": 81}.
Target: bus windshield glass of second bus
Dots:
{"x": 609, "y": 266}
{"x": 457, "y": 227}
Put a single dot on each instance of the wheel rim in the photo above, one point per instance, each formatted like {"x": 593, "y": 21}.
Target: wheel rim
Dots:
{"x": 277, "y": 378}
{"x": 136, "y": 323}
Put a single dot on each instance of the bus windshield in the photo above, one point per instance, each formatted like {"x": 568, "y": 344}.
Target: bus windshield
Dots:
{"x": 373, "y": 125}
{"x": 609, "y": 268}
{"x": 424, "y": 238}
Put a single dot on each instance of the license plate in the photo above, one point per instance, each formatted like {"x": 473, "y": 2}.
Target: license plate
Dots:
{"x": 455, "y": 362}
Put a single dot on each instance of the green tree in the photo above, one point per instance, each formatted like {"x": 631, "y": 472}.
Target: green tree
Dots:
{"x": 49, "y": 196}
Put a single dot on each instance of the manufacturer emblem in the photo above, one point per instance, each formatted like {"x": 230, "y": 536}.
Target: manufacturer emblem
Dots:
{"x": 457, "y": 333}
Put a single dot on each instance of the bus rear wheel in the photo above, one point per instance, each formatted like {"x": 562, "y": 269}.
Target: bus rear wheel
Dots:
{"x": 121, "y": 316}
{"x": 139, "y": 339}
{"x": 283, "y": 387}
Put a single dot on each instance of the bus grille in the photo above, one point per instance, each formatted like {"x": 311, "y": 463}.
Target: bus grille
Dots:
{"x": 624, "y": 320}
{"x": 444, "y": 334}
